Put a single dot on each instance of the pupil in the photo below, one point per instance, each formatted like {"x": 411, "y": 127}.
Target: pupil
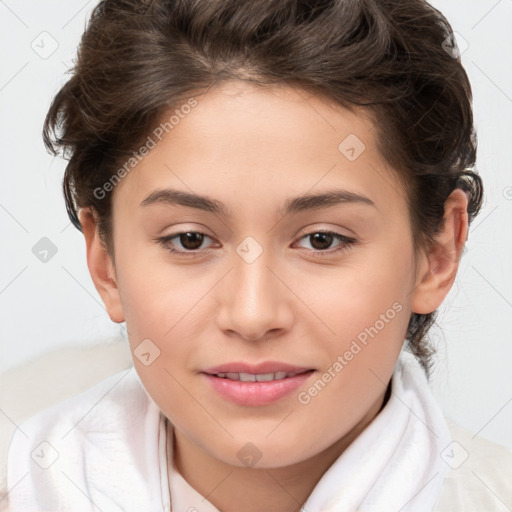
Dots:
{"x": 187, "y": 240}
{"x": 322, "y": 237}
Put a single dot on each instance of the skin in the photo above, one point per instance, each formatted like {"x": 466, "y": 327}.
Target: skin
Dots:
{"x": 252, "y": 149}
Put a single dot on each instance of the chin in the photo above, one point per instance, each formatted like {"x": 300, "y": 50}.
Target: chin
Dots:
{"x": 258, "y": 452}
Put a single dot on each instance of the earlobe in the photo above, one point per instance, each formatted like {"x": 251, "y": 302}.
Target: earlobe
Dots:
{"x": 100, "y": 266}
{"x": 439, "y": 264}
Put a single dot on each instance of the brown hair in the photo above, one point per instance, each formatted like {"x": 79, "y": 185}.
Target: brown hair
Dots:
{"x": 138, "y": 59}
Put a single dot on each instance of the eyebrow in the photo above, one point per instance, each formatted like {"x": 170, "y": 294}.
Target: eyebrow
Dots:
{"x": 293, "y": 205}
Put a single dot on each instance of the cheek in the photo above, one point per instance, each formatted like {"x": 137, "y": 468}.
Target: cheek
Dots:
{"x": 166, "y": 307}
{"x": 356, "y": 296}
{"x": 163, "y": 326}
{"x": 368, "y": 307}
{"x": 155, "y": 294}
{"x": 369, "y": 313}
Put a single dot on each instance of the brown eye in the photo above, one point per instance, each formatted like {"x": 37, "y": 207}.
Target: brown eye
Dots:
{"x": 191, "y": 240}
{"x": 184, "y": 242}
{"x": 321, "y": 241}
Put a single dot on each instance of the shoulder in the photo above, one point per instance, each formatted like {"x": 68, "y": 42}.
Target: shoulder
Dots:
{"x": 93, "y": 408}
{"x": 479, "y": 477}
{"x": 78, "y": 442}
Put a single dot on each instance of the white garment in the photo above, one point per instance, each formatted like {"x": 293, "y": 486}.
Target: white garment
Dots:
{"x": 107, "y": 449}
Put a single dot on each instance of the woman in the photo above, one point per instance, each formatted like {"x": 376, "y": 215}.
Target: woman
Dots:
{"x": 214, "y": 149}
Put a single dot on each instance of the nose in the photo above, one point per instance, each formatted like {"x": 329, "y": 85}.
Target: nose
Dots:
{"x": 254, "y": 300}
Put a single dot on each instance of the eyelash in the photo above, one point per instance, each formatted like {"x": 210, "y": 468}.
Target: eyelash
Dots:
{"x": 346, "y": 242}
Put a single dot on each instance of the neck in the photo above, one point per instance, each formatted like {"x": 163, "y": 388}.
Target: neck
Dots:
{"x": 281, "y": 489}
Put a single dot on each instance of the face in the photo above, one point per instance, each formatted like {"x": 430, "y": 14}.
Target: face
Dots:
{"x": 321, "y": 290}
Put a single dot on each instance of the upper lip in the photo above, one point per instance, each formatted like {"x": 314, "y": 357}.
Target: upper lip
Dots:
{"x": 255, "y": 369}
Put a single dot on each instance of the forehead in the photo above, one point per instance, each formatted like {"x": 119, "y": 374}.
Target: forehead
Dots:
{"x": 240, "y": 141}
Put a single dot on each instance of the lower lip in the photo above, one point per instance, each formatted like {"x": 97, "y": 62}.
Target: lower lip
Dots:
{"x": 256, "y": 393}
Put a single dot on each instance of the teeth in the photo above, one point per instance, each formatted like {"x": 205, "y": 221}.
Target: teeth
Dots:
{"x": 264, "y": 377}
{"x": 246, "y": 377}
{"x": 261, "y": 377}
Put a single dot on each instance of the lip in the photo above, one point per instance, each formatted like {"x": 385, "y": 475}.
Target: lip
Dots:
{"x": 256, "y": 393}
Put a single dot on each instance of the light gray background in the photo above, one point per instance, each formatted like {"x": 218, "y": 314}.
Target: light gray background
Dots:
{"x": 46, "y": 305}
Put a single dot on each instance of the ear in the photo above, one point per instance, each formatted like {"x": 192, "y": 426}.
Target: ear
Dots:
{"x": 438, "y": 265}
{"x": 101, "y": 267}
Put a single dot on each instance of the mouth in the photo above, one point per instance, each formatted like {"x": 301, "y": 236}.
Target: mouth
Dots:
{"x": 257, "y": 377}
{"x": 252, "y": 385}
